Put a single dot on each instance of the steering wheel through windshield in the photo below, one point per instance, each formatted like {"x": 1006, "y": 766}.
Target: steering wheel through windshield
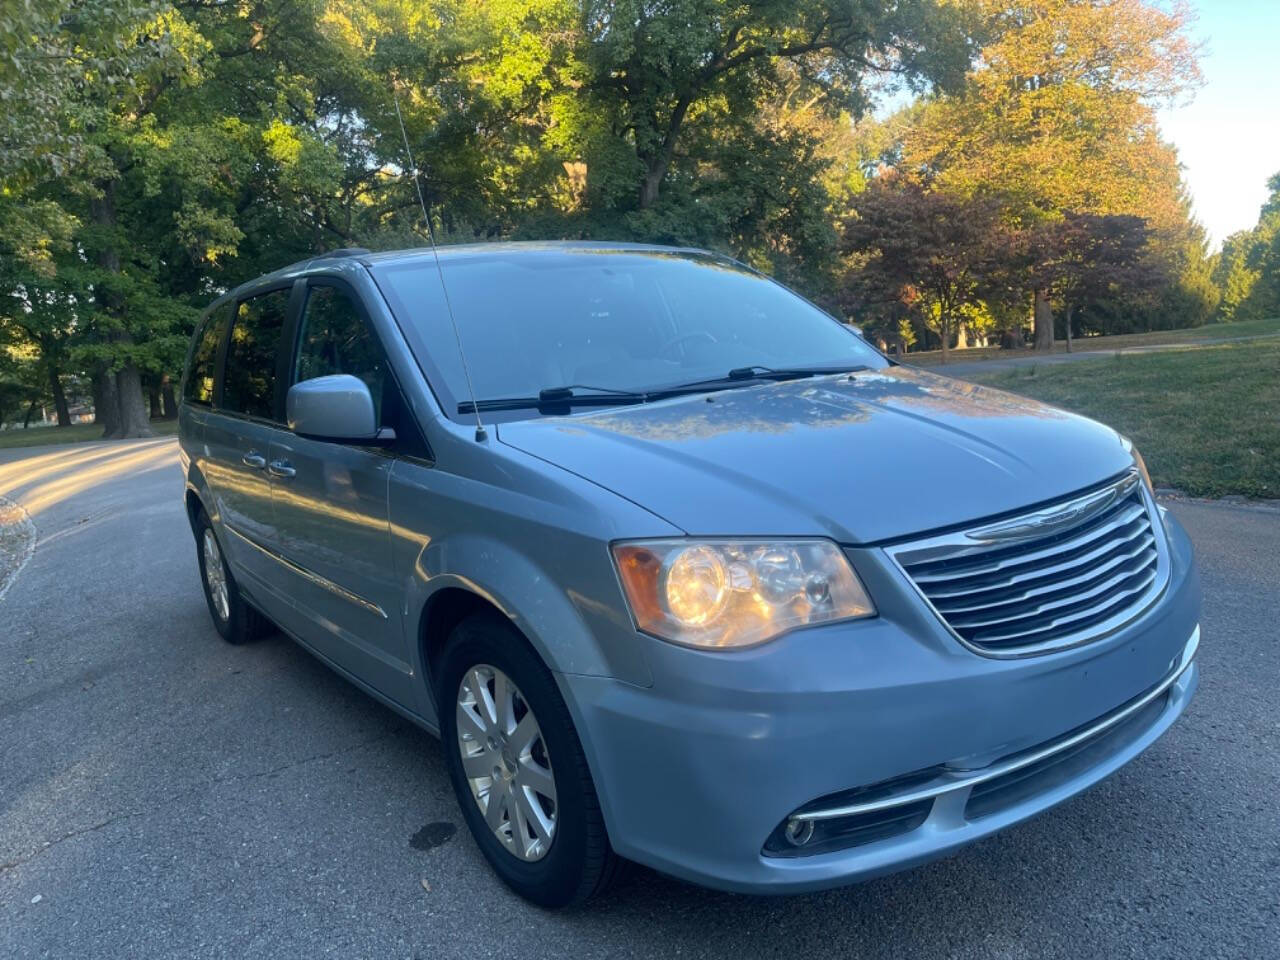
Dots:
{"x": 674, "y": 342}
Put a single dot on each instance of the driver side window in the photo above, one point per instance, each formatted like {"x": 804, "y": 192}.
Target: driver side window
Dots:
{"x": 333, "y": 338}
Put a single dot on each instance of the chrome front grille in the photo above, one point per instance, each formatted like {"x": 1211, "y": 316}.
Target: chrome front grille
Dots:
{"x": 1040, "y": 581}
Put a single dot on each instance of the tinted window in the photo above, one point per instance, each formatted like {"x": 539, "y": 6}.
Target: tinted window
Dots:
{"x": 249, "y": 382}
{"x": 335, "y": 339}
{"x": 198, "y": 386}
{"x": 621, "y": 319}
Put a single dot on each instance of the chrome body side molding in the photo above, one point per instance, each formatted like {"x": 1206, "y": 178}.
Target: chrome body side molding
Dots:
{"x": 323, "y": 582}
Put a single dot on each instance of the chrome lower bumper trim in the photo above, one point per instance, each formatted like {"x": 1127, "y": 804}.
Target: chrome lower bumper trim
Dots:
{"x": 951, "y": 783}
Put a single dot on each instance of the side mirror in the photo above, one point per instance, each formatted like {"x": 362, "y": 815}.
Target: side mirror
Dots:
{"x": 338, "y": 408}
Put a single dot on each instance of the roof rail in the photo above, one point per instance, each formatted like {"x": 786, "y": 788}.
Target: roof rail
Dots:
{"x": 345, "y": 252}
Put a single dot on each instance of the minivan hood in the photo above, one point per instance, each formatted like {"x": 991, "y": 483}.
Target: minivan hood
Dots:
{"x": 862, "y": 458}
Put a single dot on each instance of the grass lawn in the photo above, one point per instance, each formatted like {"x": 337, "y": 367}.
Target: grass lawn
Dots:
{"x": 1207, "y": 421}
{"x": 75, "y": 433}
{"x": 1214, "y": 331}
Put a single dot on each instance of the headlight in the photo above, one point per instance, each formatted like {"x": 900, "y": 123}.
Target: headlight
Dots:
{"x": 1138, "y": 462}
{"x": 735, "y": 593}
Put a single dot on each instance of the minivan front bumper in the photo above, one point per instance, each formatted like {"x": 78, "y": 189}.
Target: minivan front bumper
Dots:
{"x": 887, "y": 729}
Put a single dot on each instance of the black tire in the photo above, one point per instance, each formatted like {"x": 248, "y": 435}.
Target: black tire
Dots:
{"x": 242, "y": 623}
{"x": 580, "y": 863}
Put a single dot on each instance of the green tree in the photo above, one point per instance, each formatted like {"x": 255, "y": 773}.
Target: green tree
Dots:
{"x": 49, "y": 50}
{"x": 1263, "y": 259}
{"x": 694, "y": 122}
{"x": 1233, "y": 275}
{"x": 204, "y": 168}
{"x": 39, "y": 321}
{"x": 657, "y": 69}
{"x": 1057, "y": 114}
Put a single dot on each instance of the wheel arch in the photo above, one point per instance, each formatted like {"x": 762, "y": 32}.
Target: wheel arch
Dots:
{"x": 195, "y": 506}
{"x": 442, "y": 612}
{"x": 198, "y": 498}
{"x": 567, "y": 631}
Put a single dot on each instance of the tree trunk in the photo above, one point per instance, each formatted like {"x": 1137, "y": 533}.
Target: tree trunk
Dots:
{"x": 962, "y": 337}
{"x": 649, "y": 187}
{"x": 170, "y": 402}
{"x": 59, "y": 397}
{"x": 108, "y": 404}
{"x": 95, "y": 386}
{"x": 124, "y": 398}
{"x": 655, "y": 167}
{"x": 1043, "y": 321}
{"x": 944, "y": 332}
{"x": 26, "y": 421}
{"x": 133, "y": 412}
{"x": 153, "y": 399}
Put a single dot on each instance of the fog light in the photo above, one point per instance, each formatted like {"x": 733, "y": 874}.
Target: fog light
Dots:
{"x": 799, "y": 832}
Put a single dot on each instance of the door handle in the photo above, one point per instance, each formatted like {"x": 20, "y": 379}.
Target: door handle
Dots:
{"x": 281, "y": 469}
{"x": 254, "y": 459}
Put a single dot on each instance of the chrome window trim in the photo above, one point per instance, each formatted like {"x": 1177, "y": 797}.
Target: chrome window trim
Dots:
{"x": 963, "y": 782}
{"x": 972, "y": 540}
{"x": 323, "y": 582}
{"x": 246, "y": 418}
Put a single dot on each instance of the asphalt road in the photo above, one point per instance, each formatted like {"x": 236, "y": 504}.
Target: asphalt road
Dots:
{"x": 164, "y": 794}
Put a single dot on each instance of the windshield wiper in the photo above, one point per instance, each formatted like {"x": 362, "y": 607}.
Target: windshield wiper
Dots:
{"x": 567, "y": 396}
{"x": 570, "y": 396}
{"x": 742, "y": 375}
{"x": 760, "y": 372}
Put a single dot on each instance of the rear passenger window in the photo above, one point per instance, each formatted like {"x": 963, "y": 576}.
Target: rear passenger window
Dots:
{"x": 198, "y": 386}
{"x": 335, "y": 339}
{"x": 249, "y": 382}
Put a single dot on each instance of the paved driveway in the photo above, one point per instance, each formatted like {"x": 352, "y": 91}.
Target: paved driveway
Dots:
{"x": 164, "y": 794}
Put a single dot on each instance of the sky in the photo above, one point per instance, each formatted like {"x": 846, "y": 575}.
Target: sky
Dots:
{"x": 1228, "y": 136}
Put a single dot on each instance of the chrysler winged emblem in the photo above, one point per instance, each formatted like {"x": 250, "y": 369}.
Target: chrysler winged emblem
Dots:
{"x": 1053, "y": 519}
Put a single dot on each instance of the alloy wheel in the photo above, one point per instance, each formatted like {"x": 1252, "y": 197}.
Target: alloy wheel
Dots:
{"x": 215, "y": 575}
{"x": 505, "y": 761}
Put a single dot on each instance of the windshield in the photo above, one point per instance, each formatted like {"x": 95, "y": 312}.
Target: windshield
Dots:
{"x": 535, "y": 319}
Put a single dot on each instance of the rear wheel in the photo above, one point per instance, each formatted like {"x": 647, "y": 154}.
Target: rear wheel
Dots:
{"x": 235, "y": 621}
{"x": 518, "y": 768}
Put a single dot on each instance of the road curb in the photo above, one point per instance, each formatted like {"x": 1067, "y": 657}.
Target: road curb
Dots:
{"x": 1169, "y": 494}
{"x": 17, "y": 542}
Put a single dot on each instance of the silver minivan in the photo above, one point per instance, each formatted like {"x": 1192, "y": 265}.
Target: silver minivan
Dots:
{"x": 679, "y": 568}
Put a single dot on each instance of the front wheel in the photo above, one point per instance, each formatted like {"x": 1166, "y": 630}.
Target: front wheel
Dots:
{"x": 518, "y": 768}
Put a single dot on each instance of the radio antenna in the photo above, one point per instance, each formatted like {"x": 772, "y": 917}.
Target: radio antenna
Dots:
{"x": 481, "y": 435}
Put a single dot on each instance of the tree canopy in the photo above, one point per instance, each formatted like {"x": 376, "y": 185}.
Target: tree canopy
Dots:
{"x": 1056, "y": 124}
{"x": 1248, "y": 270}
{"x": 154, "y": 153}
